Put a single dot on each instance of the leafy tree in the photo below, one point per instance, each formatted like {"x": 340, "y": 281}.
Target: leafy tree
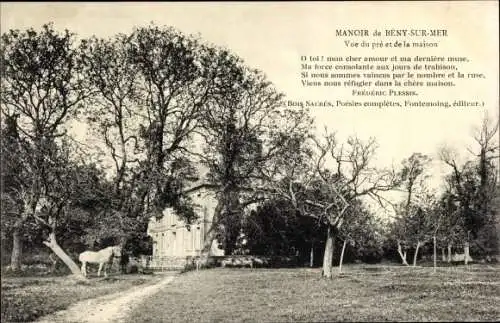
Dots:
{"x": 471, "y": 189}
{"x": 172, "y": 90}
{"x": 275, "y": 228}
{"x": 153, "y": 90}
{"x": 13, "y": 226}
{"x": 150, "y": 87}
{"x": 42, "y": 83}
{"x": 241, "y": 126}
{"x": 487, "y": 169}
{"x": 496, "y": 201}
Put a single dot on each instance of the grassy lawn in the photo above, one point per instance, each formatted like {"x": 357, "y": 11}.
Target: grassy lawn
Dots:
{"x": 29, "y": 298}
{"x": 363, "y": 293}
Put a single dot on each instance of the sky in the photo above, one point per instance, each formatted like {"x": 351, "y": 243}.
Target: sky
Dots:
{"x": 273, "y": 36}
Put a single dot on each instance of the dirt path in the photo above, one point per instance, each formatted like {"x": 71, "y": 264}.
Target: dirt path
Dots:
{"x": 109, "y": 308}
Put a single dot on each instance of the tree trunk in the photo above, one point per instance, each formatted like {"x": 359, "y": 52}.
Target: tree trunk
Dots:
{"x": 416, "y": 254}
{"x": 17, "y": 250}
{"x": 497, "y": 225}
{"x": 311, "y": 256}
{"x": 328, "y": 256}
{"x": 210, "y": 236}
{"x": 434, "y": 252}
{"x": 207, "y": 247}
{"x": 342, "y": 256}
{"x": 449, "y": 252}
{"x": 466, "y": 253}
{"x": 53, "y": 259}
{"x": 403, "y": 256}
{"x": 229, "y": 217}
{"x": 51, "y": 242}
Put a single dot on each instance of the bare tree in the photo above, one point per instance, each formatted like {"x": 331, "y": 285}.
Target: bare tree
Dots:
{"x": 352, "y": 177}
{"x": 340, "y": 174}
{"x": 412, "y": 220}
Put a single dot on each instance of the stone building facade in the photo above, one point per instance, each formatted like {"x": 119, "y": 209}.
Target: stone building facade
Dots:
{"x": 174, "y": 241}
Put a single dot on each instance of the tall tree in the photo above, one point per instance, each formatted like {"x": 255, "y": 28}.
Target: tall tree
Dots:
{"x": 150, "y": 88}
{"x": 486, "y": 139}
{"x": 42, "y": 82}
{"x": 12, "y": 224}
{"x": 472, "y": 187}
{"x": 241, "y": 124}
{"x": 173, "y": 90}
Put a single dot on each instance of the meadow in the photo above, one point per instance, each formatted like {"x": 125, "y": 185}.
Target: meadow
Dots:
{"x": 29, "y": 298}
{"x": 362, "y": 293}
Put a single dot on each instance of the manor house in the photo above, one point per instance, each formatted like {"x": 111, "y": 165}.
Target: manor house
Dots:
{"x": 174, "y": 240}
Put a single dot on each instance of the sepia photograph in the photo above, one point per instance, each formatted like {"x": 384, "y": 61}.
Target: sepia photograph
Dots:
{"x": 250, "y": 161}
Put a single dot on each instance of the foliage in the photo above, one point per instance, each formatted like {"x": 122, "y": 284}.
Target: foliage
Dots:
{"x": 149, "y": 91}
{"x": 42, "y": 89}
{"x": 275, "y": 228}
{"x": 363, "y": 233}
{"x": 471, "y": 188}
{"x": 159, "y": 104}
{"x": 42, "y": 80}
{"x": 244, "y": 129}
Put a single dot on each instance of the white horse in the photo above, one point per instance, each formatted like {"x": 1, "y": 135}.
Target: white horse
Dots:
{"x": 101, "y": 257}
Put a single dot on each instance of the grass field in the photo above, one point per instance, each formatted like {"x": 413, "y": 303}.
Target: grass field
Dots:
{"x": 28, "y": 298}
{"x": 363, "y": 293}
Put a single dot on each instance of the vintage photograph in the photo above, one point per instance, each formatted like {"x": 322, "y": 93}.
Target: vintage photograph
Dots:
{"x": 250, "y": 161}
